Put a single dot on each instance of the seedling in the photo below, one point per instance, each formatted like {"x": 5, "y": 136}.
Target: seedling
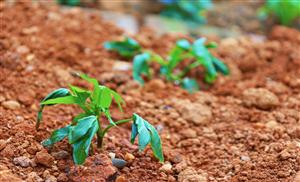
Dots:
{"x": 191, "y": 11}
{"x": 285, "y": 10}
{"x": 197, "y": 52}
{"x": 95, "y": 104}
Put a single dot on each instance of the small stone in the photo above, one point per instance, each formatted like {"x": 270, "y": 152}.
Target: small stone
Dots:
{"x": 22, "y": 50}
{"x": 44, "y": 158}
{"x": 155, "y": 85}
{"x": 195, "y": 112}
{"x": 260, "y": 98}
{"x": 121, "y": 179}
{"x": 191, "y": 175}
{"x": 62, "y": 177}
{"x": 11, "y": 104}
{"x": 119, "y": 163}
{"x": 284, "y": 155}
{"x": 167, "y": 168}
{"x": 51, "y": 178}
{"x": 3, "y": 144}
{"x": 22, "y": 161}
{"x": 121, "y": 66}
{"x": 112, "y": 155}
{"x": 34, "y": 177}
{"x": 180, "y": 166}
{"x": 189, "y": 133}
{"x": 129, "y": 157}
{"x": 272, "y": 124}
{"x": 245, "y": 158}
{"x": 60, "y": 154}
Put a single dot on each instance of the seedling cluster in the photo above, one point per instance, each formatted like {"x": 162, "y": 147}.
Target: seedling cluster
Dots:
{"x": 197, "y": 52}
{"x": 95, "y": 104}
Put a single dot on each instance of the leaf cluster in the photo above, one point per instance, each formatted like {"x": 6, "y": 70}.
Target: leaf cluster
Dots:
{"x": 191, "y": 11}
{"x": 94, "y": 104}
{"x": 287, "y": 11}
{"x": 197, "y": 52}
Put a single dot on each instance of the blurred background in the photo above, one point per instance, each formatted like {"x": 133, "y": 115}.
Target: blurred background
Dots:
{"x": 221, "y": 18}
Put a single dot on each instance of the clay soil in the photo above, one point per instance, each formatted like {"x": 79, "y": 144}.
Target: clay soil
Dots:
{"x": 245, "y": 127}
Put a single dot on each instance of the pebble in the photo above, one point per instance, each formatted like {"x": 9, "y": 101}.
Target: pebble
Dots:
{"x": 155, "y": 85}
{"x": 121, "y": 179}
{"x": 260, "y": 98}
{"x": 34, "y": 177}
{"x": 191, "y": 175}
{"x": 119, "y": 163}
{"x": 245, "y": 158}
{"x": 129, "y": 157}
{"x": 60, "y": 154}
{"x": 196, "y": 113}
{"x": 3, "y": 144}
{"x": 167, "y": 167}
{"x": 11, "y": 104}
{"x": 51, "y": 178}
{"x": 62, "y": 177}
{"x": 22, "y": 50}
{"x": 22, "y": 161}
{"x": 189, "y": 133}
{"x": 44, "y": 158}
{"x": 112, "y": 155}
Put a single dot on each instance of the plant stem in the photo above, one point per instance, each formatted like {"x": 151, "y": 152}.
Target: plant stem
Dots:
{"x": 99, "y": 134}
{"x": 117, "y": 123}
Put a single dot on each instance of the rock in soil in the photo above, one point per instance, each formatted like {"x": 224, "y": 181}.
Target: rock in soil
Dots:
{"x": 7, "y": 175}
{"x": 22, "y": 161}
{"x": 119, "y": 163}
{"x": 3, "y": 144}
{"x": 121, "y": 179}
{"x": 44, "y": 158}
{"x": 167, "y": 168}
{"x": 34, "y": 177}
{"x": 194, "y": 112}
{"x": 129, "y": 157}
{"x": 95, "y": 167}
{"x": 191, "y": 175}
{"x": 260, "y": 98}
{"x": 60, "y": 154}
{"x": 11, "y": 104}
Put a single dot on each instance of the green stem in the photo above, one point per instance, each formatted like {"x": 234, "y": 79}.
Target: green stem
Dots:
{"x": 99, "y": 133}
{"x": 188, "y": 68}
{"x": 116, "y": 123}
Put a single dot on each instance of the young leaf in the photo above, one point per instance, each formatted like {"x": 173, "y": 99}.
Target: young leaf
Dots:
{"x": 70, "y": 99}
{"x": 155, "y": 142}
{"x": 105, "y": 97}
{"x": 82, "y": 146}
{"x": 220, "y": 66}
{"x": 127, "y": 48}
{"x": 82, "y": 127}
{"x": 118, "y": 99}
{"x": 140, "y": 66}
{"x": 184, "y": 44}
{"x": 56, "y": 136}
{"x": 107, "y": 114}
{"x": 61, "y": 92}
{"x": 96, "y": 91}
{"x": 147, "y": 133}
{"x": 190, "y": 85}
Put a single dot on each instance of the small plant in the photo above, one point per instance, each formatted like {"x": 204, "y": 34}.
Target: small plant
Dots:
{"x": 197, "y": 52}
{"x": 191, "y": 11}
{"x": 86, "y": 125}
{"x": 285, "y": 10}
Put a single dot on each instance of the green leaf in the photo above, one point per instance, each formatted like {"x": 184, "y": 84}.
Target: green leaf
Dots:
{"x": 96, "y": 91}
{"x": 147, "y": 133}
{"x": 211, "y": 45}
{"x": 107, "y": 114}
{"x": 184, "y": 44}
{"x": 57, "y": 136}
{"x": 140, "y": 66}
{"x": 127, "y": 47}
{"x": 82, "y": 127}
{"x": 190, "y": 85}
{"x": 70, "y": 99}
{"x": 82, "y": 146}
{"x": 105, "y": 97}
{"x": 79, "y": 116}
{"x": 155, "y": 142}
{"x": 118, "y": 99}
{"x": 220, "y": 66}
{"x": 61, "y": 92}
